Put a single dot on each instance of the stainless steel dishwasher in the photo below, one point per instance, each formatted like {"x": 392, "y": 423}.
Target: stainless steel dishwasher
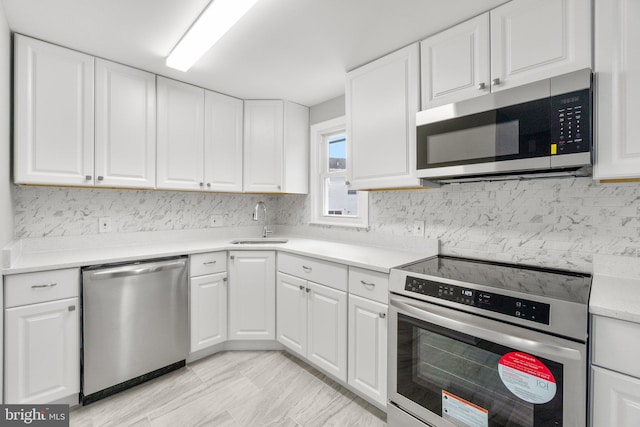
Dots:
{"x": 135, "y": 324}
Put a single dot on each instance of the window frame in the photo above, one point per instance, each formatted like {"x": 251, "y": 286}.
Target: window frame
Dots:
{"x": 318, "y": 138}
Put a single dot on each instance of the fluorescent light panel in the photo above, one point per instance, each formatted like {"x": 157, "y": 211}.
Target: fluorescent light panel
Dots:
{"x": 210, "y": 26}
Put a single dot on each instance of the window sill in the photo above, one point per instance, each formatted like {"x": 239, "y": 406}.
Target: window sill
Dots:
{"x": 340, "y": 224}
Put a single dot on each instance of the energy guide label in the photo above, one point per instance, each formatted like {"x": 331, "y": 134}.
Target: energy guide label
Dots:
{"x": 527, "y": 377}
{"x": 462, "y": 413}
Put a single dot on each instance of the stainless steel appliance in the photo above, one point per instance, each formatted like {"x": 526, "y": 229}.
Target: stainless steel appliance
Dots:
{"x": 541, "y": 127}
{"x": 135, "y": 324}
{"x": 477, "y": 344}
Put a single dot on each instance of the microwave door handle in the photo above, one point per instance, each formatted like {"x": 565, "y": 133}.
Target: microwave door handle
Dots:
{"x": 498, "y": 333}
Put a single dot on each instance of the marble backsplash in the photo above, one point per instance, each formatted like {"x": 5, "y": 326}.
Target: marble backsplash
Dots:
{"x": 552, "y": 222}
{"x": 56, "y": 212}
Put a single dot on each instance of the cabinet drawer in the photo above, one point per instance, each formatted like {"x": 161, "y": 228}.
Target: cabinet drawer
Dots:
{"x": 32, "y": 288}
{"x": 324, "y": 272}
{"x": 369, "y": 284}
{"x": 611, "y": 335}
{"x": 208, "y": 263}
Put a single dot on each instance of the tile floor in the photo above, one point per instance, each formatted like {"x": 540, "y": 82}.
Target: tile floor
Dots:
{"x": 234, "y": 388}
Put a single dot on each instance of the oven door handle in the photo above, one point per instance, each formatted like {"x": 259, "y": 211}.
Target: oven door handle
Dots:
{"x": 497, "y": 332}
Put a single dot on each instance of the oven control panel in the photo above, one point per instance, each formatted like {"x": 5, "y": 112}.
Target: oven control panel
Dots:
{"x": 516, "y": 307}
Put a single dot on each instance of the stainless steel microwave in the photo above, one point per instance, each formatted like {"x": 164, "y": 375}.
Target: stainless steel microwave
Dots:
{"x": 540, "y": 128}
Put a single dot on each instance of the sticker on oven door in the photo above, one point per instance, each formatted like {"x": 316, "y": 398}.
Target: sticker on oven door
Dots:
{"x": 462, "y": 413}
{"x": 527, "y": 377}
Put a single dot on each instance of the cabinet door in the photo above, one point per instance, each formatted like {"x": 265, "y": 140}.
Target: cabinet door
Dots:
{"x": 263, "y": 145}
{"x": 180, "y": 136}
{"x": 291, "y": 313}
{"x": 208, "y": 302}
{"x": 368, "y": 348}
{"x": 327, "y": 329}
{"x": 296, "y": 149}
{"x": 53, "y": 114}
{"x": 252, "y": 295}
{"x": 125, "y": 126}
{"x": 223, "y": 122}
{"x": 42, "y": 353}
{"x": 617, "y": 68}
{"x": 455, "y": 63}
{"x": 538, "y": 39}
{"x": 616, "y": 399}
{"x": 382, "y": 102}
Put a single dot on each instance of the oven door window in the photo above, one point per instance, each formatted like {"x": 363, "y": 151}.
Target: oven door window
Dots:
{"x": 473, "y": 382}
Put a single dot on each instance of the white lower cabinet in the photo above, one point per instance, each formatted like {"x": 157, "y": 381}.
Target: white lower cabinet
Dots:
{"x": 312, "y": 322}
{"x": 207, "y": 299}
{"x": 368, "y": 348}
{"x": 252, "y": 295}
{"x": 42, "y": 353}
{"x": 617, "y": 398}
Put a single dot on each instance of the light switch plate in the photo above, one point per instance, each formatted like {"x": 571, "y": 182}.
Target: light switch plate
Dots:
{"x": 418, "y": 228}
{"x": 104, "y": 224}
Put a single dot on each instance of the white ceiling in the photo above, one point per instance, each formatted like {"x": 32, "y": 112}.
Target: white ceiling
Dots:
{"x": 281, "y": 49}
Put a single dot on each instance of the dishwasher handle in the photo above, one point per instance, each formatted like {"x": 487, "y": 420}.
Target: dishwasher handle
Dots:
{"x": 136, "y": 269}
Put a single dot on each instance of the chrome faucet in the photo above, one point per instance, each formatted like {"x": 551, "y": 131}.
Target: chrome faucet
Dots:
{"x": 265, "y": 229}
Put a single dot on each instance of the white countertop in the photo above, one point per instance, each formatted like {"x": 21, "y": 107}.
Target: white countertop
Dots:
{"x": 66, "y": 253}
{"x": 615, "y": 290}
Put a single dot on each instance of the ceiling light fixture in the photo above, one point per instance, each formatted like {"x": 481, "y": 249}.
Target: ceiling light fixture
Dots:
{"x": 210, "y": 26}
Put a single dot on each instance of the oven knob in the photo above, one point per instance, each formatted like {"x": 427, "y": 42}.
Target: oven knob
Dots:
{"x": 518, "y": 314}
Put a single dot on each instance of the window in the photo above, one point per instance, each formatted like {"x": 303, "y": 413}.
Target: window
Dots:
{"x": 332, "y": 200}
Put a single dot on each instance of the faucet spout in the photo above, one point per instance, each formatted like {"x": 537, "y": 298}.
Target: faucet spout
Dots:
{"x": 265, "y": 229}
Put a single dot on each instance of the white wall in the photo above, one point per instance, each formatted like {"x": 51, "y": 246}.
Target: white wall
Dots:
{"x": 6, "y": 199}
{"x": 327, "y": 110}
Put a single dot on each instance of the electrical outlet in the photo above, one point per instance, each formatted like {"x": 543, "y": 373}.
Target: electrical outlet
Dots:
{"x": 104, "y": 224}
{"x": 216, "y": 221}
{"x": 418, "y": 228}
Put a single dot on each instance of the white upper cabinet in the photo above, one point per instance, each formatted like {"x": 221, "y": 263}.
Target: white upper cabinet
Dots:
{"x": 382, "y": 100}
{"x": 537, "y": 39}
{"x": 54, "y": 114}
{"x": 223, "y": 125}
{"x": 617, "y": 85}
{"x": 125, "y": 145}
{"x": 520, "y": 42}
{"x": 276, "y": 147}
{"x": 455, "y": 63}
{"x": 180, "y": 136}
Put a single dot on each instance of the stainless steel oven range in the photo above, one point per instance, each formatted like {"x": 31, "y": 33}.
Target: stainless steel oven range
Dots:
{"x": 483, "y": 344}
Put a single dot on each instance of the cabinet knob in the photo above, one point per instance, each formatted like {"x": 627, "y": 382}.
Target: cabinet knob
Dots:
{"x": 347, "y": 183}
{"x": 308, "y": 290}
{"x": 279, "y": 187}
{"x": 72, "y": 308}
{"x": 301, "y": 287}
{"x": 495, "y": 81}
{"x": 382, "y": 315}
{"x": 232, "y": 257}
{"x": 209, "y": 184}
{"x": 100, "y": 178}
{"x": 482, "y": 86}
{"x": 224, "y": 280}
{"x": 202, "y": 184}
{"x": 87, "y": 178}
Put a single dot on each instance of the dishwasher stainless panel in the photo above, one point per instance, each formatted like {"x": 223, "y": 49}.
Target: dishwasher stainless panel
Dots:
{"x": 135, "y": 322}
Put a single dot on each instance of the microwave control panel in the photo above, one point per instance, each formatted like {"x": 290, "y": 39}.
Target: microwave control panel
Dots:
{"x": 516, "y": 307}
{"x": 571, "y": 122}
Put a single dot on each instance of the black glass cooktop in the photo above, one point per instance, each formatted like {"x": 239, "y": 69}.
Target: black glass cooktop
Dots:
{"x": 552, "y": 283}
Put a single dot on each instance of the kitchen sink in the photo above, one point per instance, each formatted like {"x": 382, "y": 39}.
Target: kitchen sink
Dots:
{"x": 263, "y": 240}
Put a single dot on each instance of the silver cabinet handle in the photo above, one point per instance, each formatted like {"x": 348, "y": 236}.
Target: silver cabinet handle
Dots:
{"x": 367, "y": 283}
{"x": 72, "y": 308}
{"x": 301, "y": 287}
{"x": 87, "y": 178}
{"x": 482, "y": 86}
{"x": 347, "y": 183}
{"x": 100, "y": 178}
{"x": 495, "y": 81}
{"x": 232, "y": 257}
{"x": 48, "y": 285}
{"x": 307, "y": 269}
{"x": 308, "y": 290}
{"x": 225, "y": 279}
{"x": 279, "y": 187}
{"x": 209, "y": 184}
{"x": 382, "y": 315}
{"x": 209, "y": 262}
